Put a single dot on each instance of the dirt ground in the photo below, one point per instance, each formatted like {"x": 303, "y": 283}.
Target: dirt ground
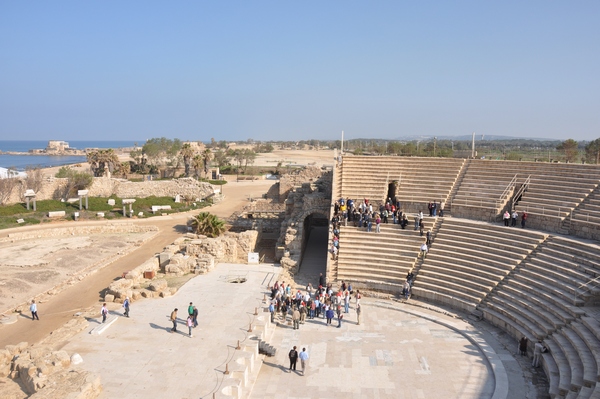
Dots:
{"x": 29, "y": 268}
{"x": 58, "y": 309}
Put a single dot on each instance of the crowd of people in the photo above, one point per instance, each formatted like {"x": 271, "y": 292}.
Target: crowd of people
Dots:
{"x": 320, "y": 303}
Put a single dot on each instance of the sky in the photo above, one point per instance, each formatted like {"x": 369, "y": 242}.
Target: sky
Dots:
{"x": 298, "y": 70}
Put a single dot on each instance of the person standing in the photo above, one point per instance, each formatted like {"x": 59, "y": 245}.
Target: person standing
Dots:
{"x": 33, "y": 309}
{"x": 190, "y": 324}
{"x": 538, "y": 348}
{"x": 296, "y": 318}
{"x": 104, "y": 312}
{"x": 513, "y": 218}
{"x": 523, "y": 219}
{"x": 303, "y": 358}
{"x": 272, "y": 310}
{"x": 340, "y": 316}
{"x": 191, "y": 310}
{"x": 347, "y": 302}
{"x": 173, "y": 318}
{"x": 293, "y": 355}
{"x": 195, "y": 317}
{"x": 321, "y": 280}
{"x": 523, "y": 346}
{"x": 126, "y": 307}
{"x": 358, "y": 312}
{"x": 424, "y": 250}
{"x": 506, "y": 218}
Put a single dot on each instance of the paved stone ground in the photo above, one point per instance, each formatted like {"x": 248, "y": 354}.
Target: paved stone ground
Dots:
{"x": 398, "y": 351}
{"x": 392, "y": 354}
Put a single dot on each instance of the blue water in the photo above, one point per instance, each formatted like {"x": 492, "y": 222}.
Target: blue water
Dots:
{"x": 22, "y": 162}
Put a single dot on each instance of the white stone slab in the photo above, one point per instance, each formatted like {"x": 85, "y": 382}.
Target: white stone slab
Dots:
{"x": 56, "y": 214}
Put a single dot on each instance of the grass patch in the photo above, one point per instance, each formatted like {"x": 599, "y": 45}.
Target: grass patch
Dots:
{"x": 9, "y": 214}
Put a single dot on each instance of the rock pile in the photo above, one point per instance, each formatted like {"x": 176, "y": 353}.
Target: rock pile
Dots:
{"x": 189, "y": 254}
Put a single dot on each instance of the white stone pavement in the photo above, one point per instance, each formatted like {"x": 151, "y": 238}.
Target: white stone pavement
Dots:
{"x": 398, "y": 351}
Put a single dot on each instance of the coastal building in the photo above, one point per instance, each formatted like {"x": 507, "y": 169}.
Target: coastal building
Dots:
{"x": 57, "y": 146}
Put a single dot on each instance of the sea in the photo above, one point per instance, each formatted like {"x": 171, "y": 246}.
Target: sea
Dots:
{"x": 22, "y": 162}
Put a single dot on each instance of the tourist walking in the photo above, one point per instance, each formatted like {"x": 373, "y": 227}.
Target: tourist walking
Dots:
{"x": 293, "y": 356}
{"x": 104, "y": 312}
{"x": 358, "y": 312}
{"x": 33, "y": 309}
{"x": 126, "y": 307}
{"x": 303, "y": 358}
{"x": 173, "y": 319}
{"x": 191, "y": 310}
{"x": 424, "y": 250}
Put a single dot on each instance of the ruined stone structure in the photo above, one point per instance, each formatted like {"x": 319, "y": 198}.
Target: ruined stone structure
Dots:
{"x": 311, "y": 198}
{"x": 189, "y": 254}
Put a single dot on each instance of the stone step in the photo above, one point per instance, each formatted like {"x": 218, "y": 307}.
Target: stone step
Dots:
{"x": 573, "y": 359}
{"x": 564, "y": 370}
{"x": 584, "y": 352}
{"x": 464, "y": 302}
{"x": 543, "y": 319}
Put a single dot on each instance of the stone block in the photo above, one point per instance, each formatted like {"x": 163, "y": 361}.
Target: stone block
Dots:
{"x": 62, "y": 359}
{"x": 147, "y": 294}
{"x": 111, "y": 202}
{"x": 135, "y": 295}
{"x": 165, "y": 294}
{"x": 100, "y": 214}
{"x": 109, "y": 298}
{"x": 56, "y": 214}
{"x": 158, "y": 285}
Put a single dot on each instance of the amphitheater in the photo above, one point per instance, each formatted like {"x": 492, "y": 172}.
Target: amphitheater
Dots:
{"x": 540, "y": 282}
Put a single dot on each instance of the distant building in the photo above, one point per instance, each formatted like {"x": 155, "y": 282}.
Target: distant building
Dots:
{"x": 57, "y": 146}
{"x": 4, "y": 173}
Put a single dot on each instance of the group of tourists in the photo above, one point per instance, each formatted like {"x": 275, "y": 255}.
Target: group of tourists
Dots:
{"x": 510, "y": 219}
{"x": 322, "y": 302}
{"x": 191, "y": 321}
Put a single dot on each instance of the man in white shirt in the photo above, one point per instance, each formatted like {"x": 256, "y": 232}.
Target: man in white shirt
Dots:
{"x": 424, "y": 250}
{"x": 303, "y": 358}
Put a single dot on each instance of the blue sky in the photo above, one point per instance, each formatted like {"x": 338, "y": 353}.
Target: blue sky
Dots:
{"x": 286, "y": 70}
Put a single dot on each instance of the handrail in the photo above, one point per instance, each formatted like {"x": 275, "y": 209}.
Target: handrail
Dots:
{"x": 507, "y": 190}
{"x": 575, "y": 294}
{"x": 523, "y": 187}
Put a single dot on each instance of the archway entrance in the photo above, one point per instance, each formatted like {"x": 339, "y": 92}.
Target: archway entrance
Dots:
{"x": 314, "y": 247}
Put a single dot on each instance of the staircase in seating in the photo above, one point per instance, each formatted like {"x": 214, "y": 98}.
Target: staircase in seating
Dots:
{"x": 377, "y": 260}
{"x": 545, "y": 298}
{"x": 468, "y": 259}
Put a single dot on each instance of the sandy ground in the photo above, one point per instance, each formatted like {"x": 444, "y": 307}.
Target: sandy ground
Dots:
{"x": 30, "y": 267}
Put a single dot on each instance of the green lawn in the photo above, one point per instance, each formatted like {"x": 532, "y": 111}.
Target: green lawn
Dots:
{"x": 11, "y": 213}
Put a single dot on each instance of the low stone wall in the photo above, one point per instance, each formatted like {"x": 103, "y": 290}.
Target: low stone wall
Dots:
{"x": 105, "y": 187}
{"x": 109, "y": 228}
{"x": 473, "y": 213}
{"x": 585, "y": 230}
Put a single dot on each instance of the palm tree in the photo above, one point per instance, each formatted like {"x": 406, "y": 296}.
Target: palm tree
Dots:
{"x": 197, "y": 163}
{"x": 187, "y": 152}
{"x": 207, "y": 224}
{"x": 99, "y": 160}
{"x": 206, "y": 157}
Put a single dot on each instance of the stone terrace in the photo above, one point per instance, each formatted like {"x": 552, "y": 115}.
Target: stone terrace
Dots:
{"x": 420, "y": 180}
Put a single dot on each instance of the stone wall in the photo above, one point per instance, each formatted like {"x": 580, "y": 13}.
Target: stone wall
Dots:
{"x": 105, "y": 187}
{"x": 298, "y": 177}
{"x": 310, "y": 198}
